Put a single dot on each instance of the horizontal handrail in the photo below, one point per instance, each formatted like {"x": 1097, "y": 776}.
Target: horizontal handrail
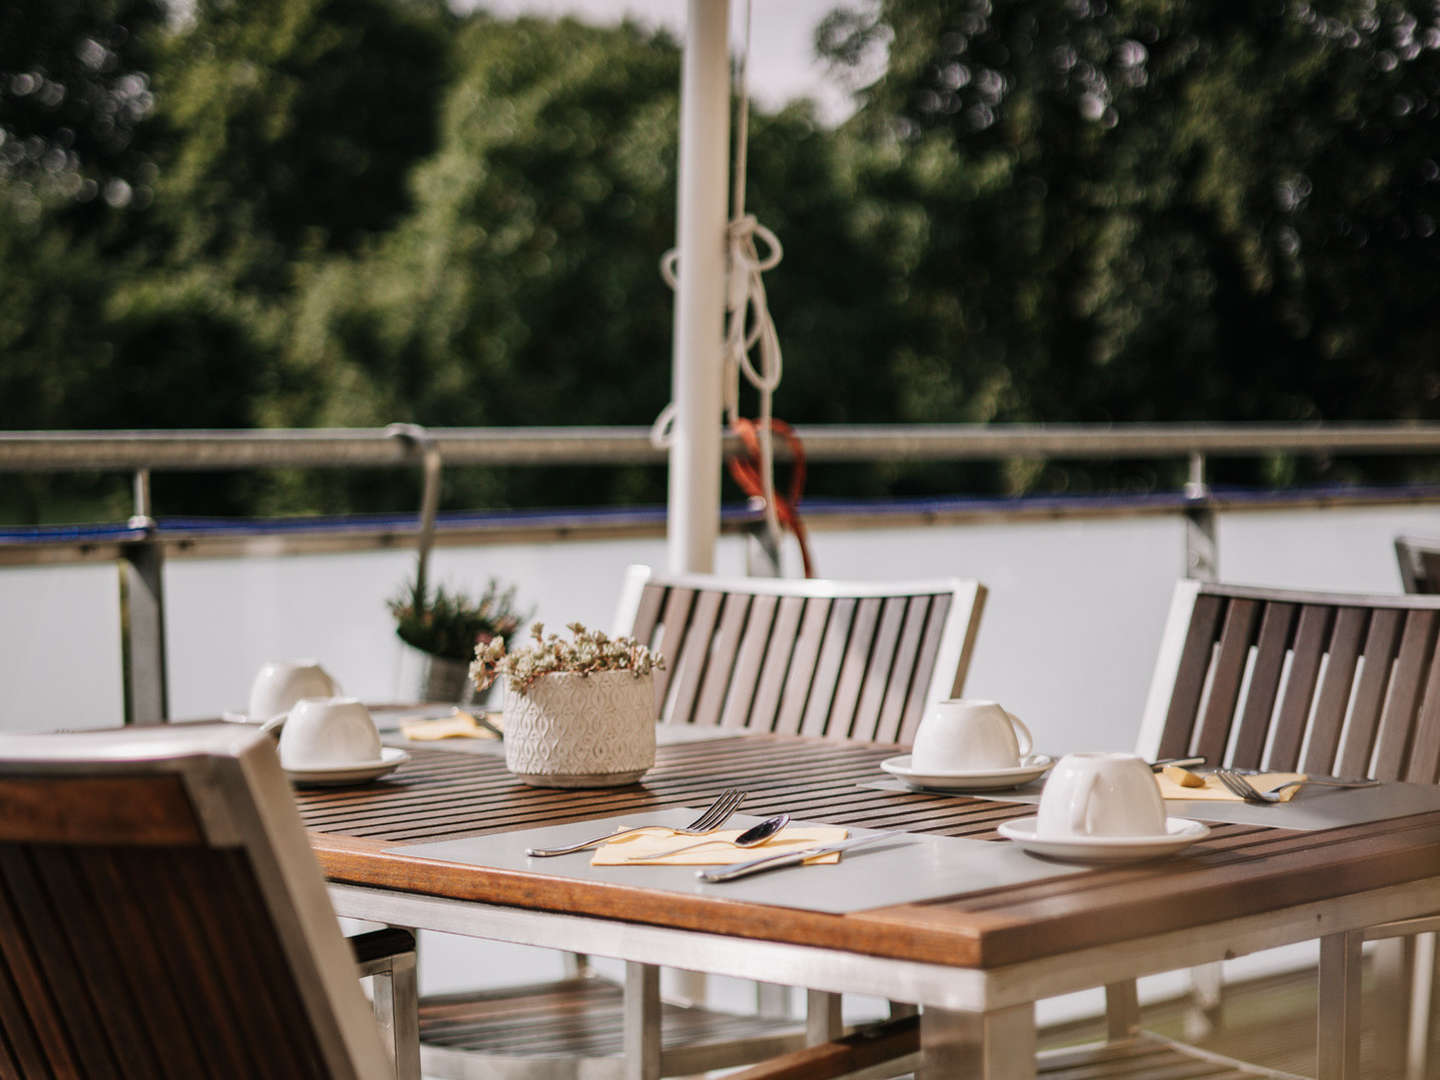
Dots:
{"x": 62, "y": 451}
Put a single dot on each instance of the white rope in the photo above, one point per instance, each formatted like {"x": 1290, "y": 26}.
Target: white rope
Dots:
{"x": 749, "y": 328}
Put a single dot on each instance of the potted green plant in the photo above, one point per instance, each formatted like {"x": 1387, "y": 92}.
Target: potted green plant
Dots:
{"x": 447, "y": 626}
{"x": 578, "y": 713}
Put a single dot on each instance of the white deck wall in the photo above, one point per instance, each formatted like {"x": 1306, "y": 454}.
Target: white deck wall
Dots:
{"x": 1067, "y": 640}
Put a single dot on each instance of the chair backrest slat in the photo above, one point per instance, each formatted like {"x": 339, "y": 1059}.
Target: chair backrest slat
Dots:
{"x": 877, "y": 673}
{"x": 34, "y": 1016}
{"x": 1277, "y": 628}
{"x": 897, "y": 690}
{"x": 825, "y": 677}
{"x": 1311, "y": 635}
{"x": 1336, "y": 686}
{"x": 765, "y": 709}
{"x": 129, "y": 917}
{"x": 841, "y": 721}
{"x": 724, "y": 653}
{"x": 694, "y": 654}
{"x": 1381, "y": 640}
{"x": 836, "y": 659}
{"x": 753, "y": 645}
{"x": 1425, "y": 756}
{"x": 1417, "y": 648}
{"x": 1229, "y": 669}
{"x": 938, "y": 607}
{"x": 675, "y": 619}
{"x": 1281, "y": 679}
{"x": 1189, "y": 683}
{"x": 801, "y": 674}
{"x": 161, "y": 915}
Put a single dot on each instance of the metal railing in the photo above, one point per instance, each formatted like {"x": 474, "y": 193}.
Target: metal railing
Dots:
{"x": 407, "y": 445}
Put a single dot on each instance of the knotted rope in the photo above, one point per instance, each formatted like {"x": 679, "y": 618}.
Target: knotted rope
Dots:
{"x": 749, "y": 329}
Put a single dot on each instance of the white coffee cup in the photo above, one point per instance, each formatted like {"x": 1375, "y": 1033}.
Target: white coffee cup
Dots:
{"x": 324, "y": 732}
{"x": 279, "y": 684}
{"x": 964, "y": 735}
{"x": 1098, "y": 794}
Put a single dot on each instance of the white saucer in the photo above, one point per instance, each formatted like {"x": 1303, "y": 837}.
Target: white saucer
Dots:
{"x": 1179, "y": 833}
{"x": 1032, "y": 767}
{"x": 391, "y": 758}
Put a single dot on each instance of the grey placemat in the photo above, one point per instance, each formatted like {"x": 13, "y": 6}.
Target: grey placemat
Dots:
{"x": 1312, "y": 807}
{"x": 390, "y": 734}
{"x": 911, "y": 867}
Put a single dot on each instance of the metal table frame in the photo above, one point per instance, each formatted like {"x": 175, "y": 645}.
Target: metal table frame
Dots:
{"x": 975, "y": 1021}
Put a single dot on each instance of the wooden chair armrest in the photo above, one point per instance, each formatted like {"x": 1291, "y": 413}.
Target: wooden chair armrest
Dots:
{"x": 866, "y": 1047}
{"x": 1402, "y": 928}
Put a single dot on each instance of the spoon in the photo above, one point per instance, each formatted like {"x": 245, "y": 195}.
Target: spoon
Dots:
{"x": 755, "y": 835}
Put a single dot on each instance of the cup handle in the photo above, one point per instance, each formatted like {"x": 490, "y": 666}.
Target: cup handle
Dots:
{"x": 1027, "y": 743}
{"x": 274, "y": 724}
{"x": 1080, "y": 807}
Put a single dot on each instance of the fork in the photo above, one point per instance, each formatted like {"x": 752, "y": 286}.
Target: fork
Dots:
{"x": 714, "y": 816}
{"x": 1250, "y": 793}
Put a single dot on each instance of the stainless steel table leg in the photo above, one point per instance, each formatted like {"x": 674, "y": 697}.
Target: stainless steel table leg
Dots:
{"x": 1122, "y": 1010}
{"x": 397, "y": 1014}
{"x": 1422, "y": 990}
{"x": 823, "y": 1022}
{"x": 997, "y": 1045}
{"x": 642, "y": 1021}
{"x": 1387, "y": 1003}
{"x": 1338, "y": 1034}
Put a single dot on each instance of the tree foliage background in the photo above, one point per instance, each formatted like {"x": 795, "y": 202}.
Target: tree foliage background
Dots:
{"x": 353, "y": 212}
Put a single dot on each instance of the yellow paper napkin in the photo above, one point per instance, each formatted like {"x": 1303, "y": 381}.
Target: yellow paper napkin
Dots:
{"x": 460, "y": 726}
{"x": 1214, "y": 791}
{"x": 641, "y": 849}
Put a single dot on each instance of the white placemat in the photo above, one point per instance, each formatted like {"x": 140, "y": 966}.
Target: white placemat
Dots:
{"x": 1313, "y": 807}
{"x": 911, "y": 867}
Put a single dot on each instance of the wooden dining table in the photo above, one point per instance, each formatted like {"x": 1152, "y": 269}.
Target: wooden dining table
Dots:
{"x": 975, "y": 962}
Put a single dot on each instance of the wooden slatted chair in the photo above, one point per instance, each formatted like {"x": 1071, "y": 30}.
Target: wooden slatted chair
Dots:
{"x": 1307, "y": 681}
{"x": 846, "y": 660}
{"x": 161, "y": 915}
{"x": 1419, "y": 560}
{"x": 1327, "y": 683}
{"x": 843, "y": 660}
{"x": 1247, "y": 677}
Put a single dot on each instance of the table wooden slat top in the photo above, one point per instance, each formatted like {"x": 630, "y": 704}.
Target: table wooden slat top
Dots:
{"x": 359, "y": 835}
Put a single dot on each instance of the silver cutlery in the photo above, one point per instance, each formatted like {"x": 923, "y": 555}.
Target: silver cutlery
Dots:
{"x": 713, "y": 817}
{"x": 1250, "y": 793}
{"x": 789, "y": 858}
{"x": 754, "y": 836}
{"x": 1179, "y": 762}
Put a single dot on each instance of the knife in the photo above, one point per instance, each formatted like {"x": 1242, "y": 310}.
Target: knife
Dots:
{"x": 1182, "y": 762}
{"x": 788, "y": 858}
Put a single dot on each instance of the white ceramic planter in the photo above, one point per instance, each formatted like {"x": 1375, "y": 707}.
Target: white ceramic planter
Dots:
{"x": 570, "y": 730}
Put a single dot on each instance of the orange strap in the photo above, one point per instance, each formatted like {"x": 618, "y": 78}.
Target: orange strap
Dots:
{"x": 746, "y": 472}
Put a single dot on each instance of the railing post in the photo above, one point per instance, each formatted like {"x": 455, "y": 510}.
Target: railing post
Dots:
{"x": 142, "y": 615}
{"x": 415, "y": 436}
{"x": 762, "y": 548}
{"x": 1202, "y": 541}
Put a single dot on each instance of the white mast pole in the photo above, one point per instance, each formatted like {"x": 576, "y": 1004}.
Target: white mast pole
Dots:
{"x": 701, "y": 216}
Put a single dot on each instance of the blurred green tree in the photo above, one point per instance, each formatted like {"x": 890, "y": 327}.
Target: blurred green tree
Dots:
{"x": 161, "y": 185}
{"x": 523, "y": 288}
{"x": 1159, "y": 210}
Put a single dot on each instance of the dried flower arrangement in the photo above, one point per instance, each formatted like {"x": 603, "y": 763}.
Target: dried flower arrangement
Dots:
{"x": 590, "y": 652}
{"x": 453, "y": 625}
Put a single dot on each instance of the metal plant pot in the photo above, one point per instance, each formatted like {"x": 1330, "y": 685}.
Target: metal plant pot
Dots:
{"x": 570, "y": 730}
{"x": 436, "y": 678}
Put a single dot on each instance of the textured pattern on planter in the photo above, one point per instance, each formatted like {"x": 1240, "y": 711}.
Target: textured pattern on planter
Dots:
{"x": 572, "y": 730}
